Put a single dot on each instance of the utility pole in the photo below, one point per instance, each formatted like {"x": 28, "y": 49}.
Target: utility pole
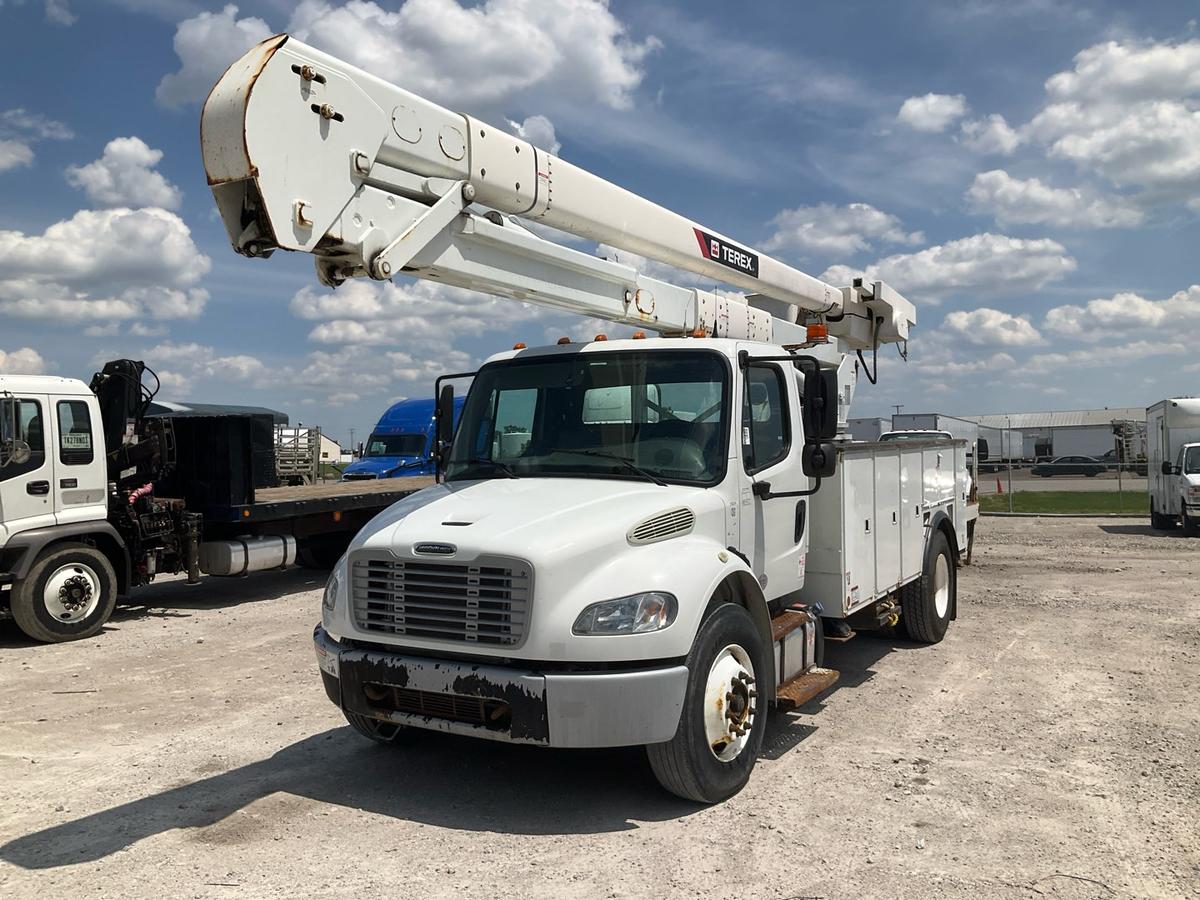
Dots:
{"x": 351, "y": 441}
{"x": 897, "y": 407}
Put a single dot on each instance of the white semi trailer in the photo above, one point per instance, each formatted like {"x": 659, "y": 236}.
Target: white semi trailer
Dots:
{"x": 657, "y": 575}
{"x": 1173, "y": 461}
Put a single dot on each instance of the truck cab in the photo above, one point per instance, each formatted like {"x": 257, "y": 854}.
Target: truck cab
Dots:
{"x": 401, "y": 444}
{"x": 1181, "y": 482}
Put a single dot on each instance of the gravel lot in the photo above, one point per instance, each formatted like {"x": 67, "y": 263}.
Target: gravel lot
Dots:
{"x": 1047, "y": 748}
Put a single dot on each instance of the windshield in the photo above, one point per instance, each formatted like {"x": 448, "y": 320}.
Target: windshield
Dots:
{"x": 624, "y": 414}
{"x": 395, "y": 445}
{"x": 1191, "y": 461}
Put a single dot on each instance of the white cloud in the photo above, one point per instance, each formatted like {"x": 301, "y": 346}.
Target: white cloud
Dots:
{"x": 14, "y": 154}
{"x": 1013, "y": 201}
{"x": 21, "y": 122}
{"x": 124, "y": 176}
{"x": 25, "y": 361}
{"x": 487, "y": 54}
{"x": 992, "y": 135}
{"x": 191, "y": 361}
{"x": 983, "y": 263}
{"x": 1128, "y": 111}
{"x": 932, "y": 112}
{"x": 539, "y": 131}
{"x": 985, "y": 327}
{"x": 827, "y": 229}
{"x": 1123, "y": 313}
{"x": 58, "y": 12}
{"x": 103, "y": 265}
{"x": 1103, "y": 356}
{"x": 206, "y": 45}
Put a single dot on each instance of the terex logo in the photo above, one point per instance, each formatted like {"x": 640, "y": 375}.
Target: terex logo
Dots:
{"x": 727, "y": 254}
{"x": 435, "y": 549}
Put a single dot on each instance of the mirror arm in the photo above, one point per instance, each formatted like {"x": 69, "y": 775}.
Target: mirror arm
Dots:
{"x": 762, "y": 490}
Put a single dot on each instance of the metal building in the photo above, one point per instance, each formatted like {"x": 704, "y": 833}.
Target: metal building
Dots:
{"x": 1085, "y": 432}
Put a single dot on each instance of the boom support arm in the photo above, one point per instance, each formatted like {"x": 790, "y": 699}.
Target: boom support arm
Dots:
{"x": 305, "y": 152}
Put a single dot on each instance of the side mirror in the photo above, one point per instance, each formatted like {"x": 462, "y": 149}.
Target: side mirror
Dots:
{"x": 818, "y": 460}
{"x": 444, "y": 414}
{"x": 1167, "y": 468}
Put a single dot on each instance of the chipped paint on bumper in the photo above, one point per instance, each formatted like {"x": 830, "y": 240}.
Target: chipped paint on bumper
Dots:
{"x": 554, "y": 709}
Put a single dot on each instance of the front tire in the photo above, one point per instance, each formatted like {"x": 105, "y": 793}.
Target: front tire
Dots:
{"x": 720, "y": 731}
{"x": 1191, "y": 527}
{"x": 926, "y": 603}
{"x": 68, "y": 595}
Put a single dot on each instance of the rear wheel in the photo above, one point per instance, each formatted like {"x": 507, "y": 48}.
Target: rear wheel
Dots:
{"x": 927, "y": 602}
{"x": 1159, "y": 522}
{"x": 721, "y": 727}
{"x": 69, "y": 594}
{"x": 374, "y": 729}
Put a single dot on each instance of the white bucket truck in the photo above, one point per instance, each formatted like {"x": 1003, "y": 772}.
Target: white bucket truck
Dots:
{"x": 1173, "y": 461}
{"x": 633, "y": 542}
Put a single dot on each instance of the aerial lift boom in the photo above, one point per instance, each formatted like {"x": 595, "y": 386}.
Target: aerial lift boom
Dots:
{"x": 305, "y": 152}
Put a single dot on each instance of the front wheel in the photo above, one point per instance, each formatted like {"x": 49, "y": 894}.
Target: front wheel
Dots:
{"x": 721, "y": 727}
{"x": 927, "y": 602}
{"x": 69, "y": 594}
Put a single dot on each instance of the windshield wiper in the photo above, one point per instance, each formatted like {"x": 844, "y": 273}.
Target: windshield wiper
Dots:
{"x": 624, "y": 461}
{"x": 503, "y": 468}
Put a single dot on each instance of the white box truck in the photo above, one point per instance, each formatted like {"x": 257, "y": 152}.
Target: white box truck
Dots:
{"x": 1173, "y": 459}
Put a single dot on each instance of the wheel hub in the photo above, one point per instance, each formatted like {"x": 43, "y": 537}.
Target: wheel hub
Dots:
{"x": 731, "y": 703}
{"x": 71, "y": 593}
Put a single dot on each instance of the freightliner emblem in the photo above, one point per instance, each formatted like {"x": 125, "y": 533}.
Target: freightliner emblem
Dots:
{"x": 727, "y": 254}
{"x": 436, "y": 549}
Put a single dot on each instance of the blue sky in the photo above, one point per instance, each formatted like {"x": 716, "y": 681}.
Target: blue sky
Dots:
{"x": 1027, "y": 173}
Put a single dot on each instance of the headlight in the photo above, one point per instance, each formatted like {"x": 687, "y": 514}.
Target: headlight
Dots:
{"x": 333, "y": 585}
{"x": 635, "y": 614}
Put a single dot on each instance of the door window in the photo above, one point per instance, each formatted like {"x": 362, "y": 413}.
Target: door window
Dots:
{"x": 74, "y": 433}
{"x": 766, "y": 436}
{"x": 31, "y": 430}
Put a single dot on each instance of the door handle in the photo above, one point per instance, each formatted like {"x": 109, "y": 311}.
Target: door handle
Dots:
{"x": 37, "y": 487}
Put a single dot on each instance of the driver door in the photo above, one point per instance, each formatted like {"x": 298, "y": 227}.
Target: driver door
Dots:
{"x": 26, "y": 500}
{"x": 774, "y": 532}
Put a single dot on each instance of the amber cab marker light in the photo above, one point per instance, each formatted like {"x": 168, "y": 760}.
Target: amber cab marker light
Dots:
{"x": 602, "y": 337}
{"x": 818, "y": 331}
{"x": 563, "y": 340}
{"x": 639, "y": 335}
{"x": 519, "y": 345}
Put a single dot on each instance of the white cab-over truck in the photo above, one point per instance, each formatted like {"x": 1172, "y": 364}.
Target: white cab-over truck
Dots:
{"x": 97, "y": 498}
{"x": 637, "y": 541}
{"x": 1173, "y": 462}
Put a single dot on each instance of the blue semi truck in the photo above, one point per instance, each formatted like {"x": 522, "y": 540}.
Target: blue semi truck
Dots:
{"x": 401, "y": 443}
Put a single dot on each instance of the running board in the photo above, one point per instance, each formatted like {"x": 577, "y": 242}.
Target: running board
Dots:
{"x": 804, "y": 687}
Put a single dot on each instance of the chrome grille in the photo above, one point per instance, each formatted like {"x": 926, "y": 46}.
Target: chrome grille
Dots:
{"x": 485, "y": 601}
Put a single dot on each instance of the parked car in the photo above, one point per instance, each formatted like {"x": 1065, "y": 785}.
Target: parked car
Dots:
{"x": 1135, "y": 466}
{"x": 1069, "y": 465}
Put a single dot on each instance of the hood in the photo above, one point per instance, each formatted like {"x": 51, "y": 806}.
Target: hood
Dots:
{"x": 538, "y": 519}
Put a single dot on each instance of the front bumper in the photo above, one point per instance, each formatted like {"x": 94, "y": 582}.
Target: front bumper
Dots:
{"x": 553, "y": 709}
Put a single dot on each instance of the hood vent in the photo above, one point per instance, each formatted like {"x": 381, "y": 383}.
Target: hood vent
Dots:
{"x": 669, "y": 524}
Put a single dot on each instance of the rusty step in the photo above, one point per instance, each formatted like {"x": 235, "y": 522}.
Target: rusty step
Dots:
{"x": 803, "y": 688}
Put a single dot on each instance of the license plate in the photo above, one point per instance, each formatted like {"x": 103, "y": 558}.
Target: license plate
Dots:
{"x": 328, "y": 662}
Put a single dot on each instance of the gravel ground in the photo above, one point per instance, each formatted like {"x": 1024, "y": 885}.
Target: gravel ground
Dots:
{"x": 1047, "y": 748}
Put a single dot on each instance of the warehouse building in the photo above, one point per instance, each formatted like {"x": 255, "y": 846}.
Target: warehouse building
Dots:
{"x": 1084, "y": 432}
